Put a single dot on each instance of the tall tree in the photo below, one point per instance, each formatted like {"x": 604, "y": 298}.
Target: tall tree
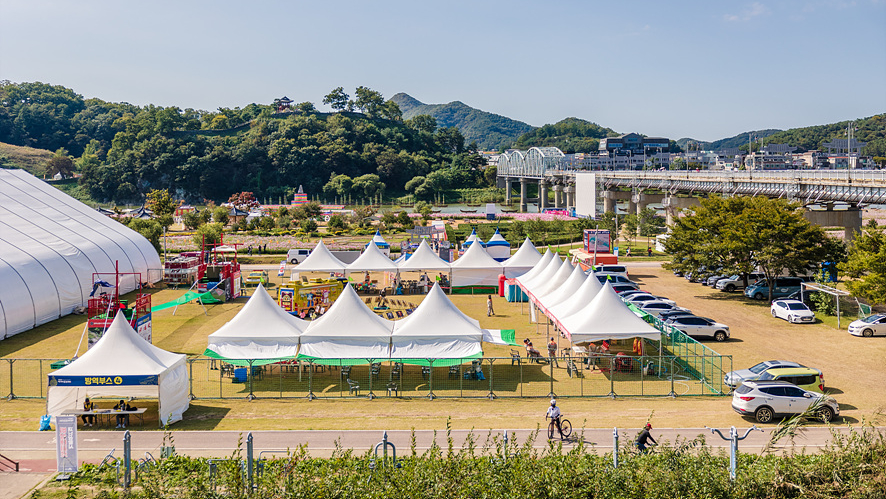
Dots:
{"x": 369, "y": 101}
{"x": 337, "y": 99}
{"x": 866, "y": 264}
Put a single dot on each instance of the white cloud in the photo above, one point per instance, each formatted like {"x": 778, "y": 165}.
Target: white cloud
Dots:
{"x": 756, "y": 9}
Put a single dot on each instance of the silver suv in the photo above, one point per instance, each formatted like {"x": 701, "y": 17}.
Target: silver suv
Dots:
{"x": 735, "y": 281}
{"x": 767, "y": 400}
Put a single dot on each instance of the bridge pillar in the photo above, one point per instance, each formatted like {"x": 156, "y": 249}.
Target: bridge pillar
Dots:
{"x": 558, "y": 196}
{"x": 542, "y": 195}
{"x": 523, "y": 201}
{"x": 849, "y": 219}
{"x": 570, "y": 196}
{"x": 673, "y": 205}
{"x": 608, "y": 201}
{"x": 508, "y": 190}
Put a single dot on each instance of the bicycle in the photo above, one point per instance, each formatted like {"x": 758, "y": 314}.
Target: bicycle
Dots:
{"x": 565, "y": 429}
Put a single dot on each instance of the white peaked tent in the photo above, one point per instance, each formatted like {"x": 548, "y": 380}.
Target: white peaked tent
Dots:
{"x": 498, "y": 247}
{"x": 424, "y": 258}
{"x": 349, "y": 331}
{"x": 541, "y": 289}
{"x": 373, "y": 260}
{"x": 578, "y": 301}
{"x": 533, "y": 281}
{"x": 606, "y": 317}
{"x": 437, "y": 330}
{"x": 564, "y": 291}
{"x": 475, "y": 268}
{"x": 122, "y": 364}
{"x": 320, "y": 260}
{"x": 261, "y": 332}
{"x": 537, "y": 269}
{"x": 526, "y": 257}
{"x": 381, "y": 243}
{"x": 471, "y": 239}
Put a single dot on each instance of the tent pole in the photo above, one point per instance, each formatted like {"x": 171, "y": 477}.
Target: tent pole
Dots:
{"x": 85, "y": 328}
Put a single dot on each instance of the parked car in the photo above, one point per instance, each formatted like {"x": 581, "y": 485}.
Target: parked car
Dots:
{"x": 806, "y": 378}
{"x": 793, "y": 311}
{"x": 641, "y": 297}
{"x": 671, "y": 314}
{"x": 295, "y": 256}
{"x": 736, "y": 281}
{"x": 257, "y": 277}
{"x": 612, "y": 269}
{"x": 657, "y": 307}
{"x": 874, "y": 325}
{"x": 735, "y": 378}
{"x": 700, "y": 326}
{"x": 767, "y": 400}
{"x": 783, "y": 287}
{"x": 613, "y": 278}
{"x": 630, "y": 292}
{"x": 620, "y": 288}
{"x": 712, "y": 281}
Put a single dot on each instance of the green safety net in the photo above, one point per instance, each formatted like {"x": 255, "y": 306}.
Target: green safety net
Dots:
{"x": 189, "y": 296}
{"x": 244, "y": 362}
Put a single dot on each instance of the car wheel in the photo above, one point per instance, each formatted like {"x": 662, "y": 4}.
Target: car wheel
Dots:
{"x": 763, "y": 414}
{"x": 730, "y": 287}
{"x": 758, "y": 296}
{"x": 720, "y": 336}
{"x": 293, "y": 261}
{"x": 826, "y": 414}
{"x": 773, "y": 313}
{"x": 867, "y": 333}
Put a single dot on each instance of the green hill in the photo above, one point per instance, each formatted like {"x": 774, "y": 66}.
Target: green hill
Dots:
{"x": 571, "y": 135}
{"x": 490, "y": 131}
{"x": 729, "y": 142}
{"x": 27, "y": 158}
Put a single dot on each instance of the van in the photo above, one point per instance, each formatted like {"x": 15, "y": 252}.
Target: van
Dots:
{"x": 295, "y": 256}
{"x": 783, "y": 287}
{"x": 612, "y": 269}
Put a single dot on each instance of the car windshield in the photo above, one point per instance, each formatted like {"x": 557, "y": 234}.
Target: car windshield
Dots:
{"x": 872, "y": 319}
{"x": 766, "y": 376}
{"x": 759, "y": 368}
{"x": 797, "y": 306}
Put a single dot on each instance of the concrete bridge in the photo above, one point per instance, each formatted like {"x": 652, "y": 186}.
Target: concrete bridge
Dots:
{"x": 834, "y": 198}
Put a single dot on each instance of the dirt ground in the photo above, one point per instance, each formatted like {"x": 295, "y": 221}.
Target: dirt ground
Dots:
{"x": 854, "y": 368}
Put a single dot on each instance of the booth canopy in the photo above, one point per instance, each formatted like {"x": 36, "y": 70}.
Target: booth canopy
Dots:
{"x": 424, "y": 258}
{"x": 577, "y": 301}
{"x": 498, "y": 247}
{"x": 379, "y": 240}
{"x": 475, "y": 268}
{"x": 565, "y": 290}
{"x": 261, "y": 332}
{"x": 522, "y": 261}
{"x": 539, "y": 267}
{"x": 471, "y": 239}
{"x": 349, "y": 330}
{"x": 122, "y": 364}
{"x": 606, "y": 318}
{"x": 373, "y": 260}
{"x": 320, "y": 260}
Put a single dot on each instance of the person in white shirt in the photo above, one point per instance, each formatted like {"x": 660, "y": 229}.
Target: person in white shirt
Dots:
{"x": 554, "y": 414}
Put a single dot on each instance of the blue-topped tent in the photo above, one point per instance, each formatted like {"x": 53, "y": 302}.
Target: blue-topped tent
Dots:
{"x": 498, "y": 247}
{"x": 379, "y": 241}
{"x": 473, "y": 237}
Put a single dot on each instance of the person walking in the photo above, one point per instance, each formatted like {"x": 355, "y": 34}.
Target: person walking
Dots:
{"x": 552, "y": 352}
{"x": 644, "y": 437}
{"x": 489, "y": 311}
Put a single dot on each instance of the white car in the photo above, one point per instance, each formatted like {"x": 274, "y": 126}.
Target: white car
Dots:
{"x": 793, "y": 311}
{"x": 767, "y": 400}
{"x": 656, "y": 307}
{"x": 700, "y": 326}
{"x": 636, "y": 299}
{"x": 874, "y": 325}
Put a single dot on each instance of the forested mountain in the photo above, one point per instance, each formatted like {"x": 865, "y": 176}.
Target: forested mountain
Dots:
{"x": 727, "y": 143}
{"x": 124, "y": 151}
{"x": 490, "y": 131}
{"x": 871, "y": 130}
{"x": 571, "y": 135}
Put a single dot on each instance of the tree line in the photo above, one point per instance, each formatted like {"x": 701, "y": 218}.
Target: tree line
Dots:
{"x": 123, "y": 151}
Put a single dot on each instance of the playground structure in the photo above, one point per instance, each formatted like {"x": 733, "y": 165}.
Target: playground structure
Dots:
{"x": 102, "y": 309}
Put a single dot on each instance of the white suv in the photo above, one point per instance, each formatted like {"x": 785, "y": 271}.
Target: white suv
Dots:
{"x": 766, "y": 400}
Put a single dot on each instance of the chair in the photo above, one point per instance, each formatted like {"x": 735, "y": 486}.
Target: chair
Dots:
{"x": 572, "y": 370}
{"x": 353, "y": 387}
{"x": 515, "y": 357}
{"x": 425, "y": 372}
{"x": 397, "y": 370}
{"x": 375, "y": 369}
{"x": 346, "y": 372}
{"x": 454, "y": 371}
{"x": 393, "y": 389}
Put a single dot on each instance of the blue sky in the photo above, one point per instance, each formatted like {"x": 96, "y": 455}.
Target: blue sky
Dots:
{"x": 699, "y": 69}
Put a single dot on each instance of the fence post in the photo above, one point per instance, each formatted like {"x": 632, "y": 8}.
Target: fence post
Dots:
{"x": 615, "y": 447}
{"x": 491, "y": 395}
{"x": 249, "y": 377}
{"x": 191, "y": 379}
{"x": 612, "y": 377}
{"x": 127, "y": 461}
{"x": 551, "y": 365}
{"x": 673, "y": 394}
{"x": 11, "y": 395}
{"x": 311, "y": 395}
{"x": 431, "y": 395}
{"x": 249, "y": 449}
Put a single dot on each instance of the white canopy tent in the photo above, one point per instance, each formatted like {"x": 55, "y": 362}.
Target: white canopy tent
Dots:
{"x": 541, "y": 288}
{"x": 471, "y": 239}
{"x": 528, "y": 282}
{"x": 122, "y": 364}
{"x": 436, "y": 330}
{"x": 475, "y": 268}
{"x": 320, "y": 260}
{"x": 373, "y": 260}
{"x": 606, "y": 318}
{"x": 578, "y": 301}
{"x": 349, "y": 330}
{"x": 261, "y": 332}
{"x": 381, "y": 243}
{"x": 523, "y": 261}
{"x": 564, "y": 291}
{"x": 498, "y": 247}
{"x": 424, "y": 258}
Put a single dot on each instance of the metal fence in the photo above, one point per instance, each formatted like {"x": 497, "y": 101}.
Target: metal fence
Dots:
{"x": 598, "y": 375}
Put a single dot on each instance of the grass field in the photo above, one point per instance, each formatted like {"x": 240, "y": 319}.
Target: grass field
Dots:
{"x": 854, "y": 371}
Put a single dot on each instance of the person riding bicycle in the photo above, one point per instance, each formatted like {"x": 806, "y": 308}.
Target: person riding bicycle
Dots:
{"x": 554, "y": 414}
{"x": 644, "y": 437}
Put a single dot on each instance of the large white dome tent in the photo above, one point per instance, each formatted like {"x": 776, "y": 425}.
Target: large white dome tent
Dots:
{"x": 50, "y": 247}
